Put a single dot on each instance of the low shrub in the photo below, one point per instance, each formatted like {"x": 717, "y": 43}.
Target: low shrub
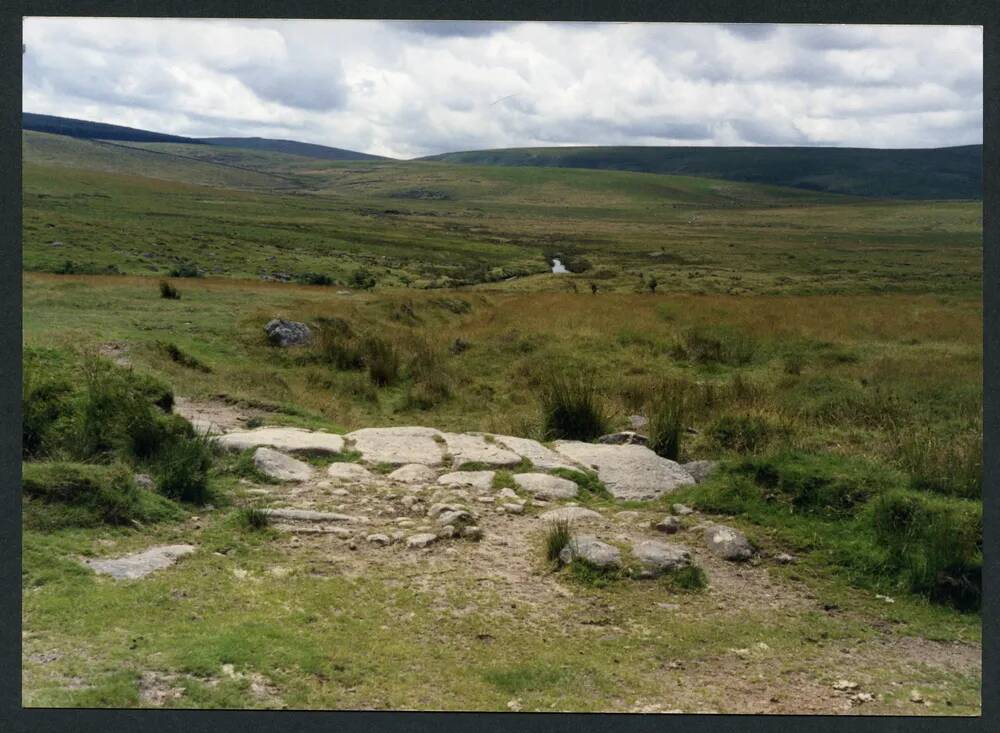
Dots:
{"x": 168, "y": 291}
{"x": 181, "y": 468}
{"x": 716, "y": 345}
{"x": 934, "y": 543}
{"x": 362, "y": 279}
{"x": 253, "y": 518}
{"x": 829, "y": 485}
{"x": 44, "y": 408}
{"x": 185, "y": 269}
{"x": 949, "y": 462}
{"x": 571, "y": 407}
{"x": 314, "y": 278}
{"x": 59, "y": 495}
{"x": 745, "y": 432}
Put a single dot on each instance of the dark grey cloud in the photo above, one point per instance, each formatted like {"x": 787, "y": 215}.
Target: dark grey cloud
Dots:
{"x": 412, "y": 88}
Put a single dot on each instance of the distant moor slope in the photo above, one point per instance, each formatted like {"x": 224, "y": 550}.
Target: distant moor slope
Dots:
{"x": 939, "y": 173}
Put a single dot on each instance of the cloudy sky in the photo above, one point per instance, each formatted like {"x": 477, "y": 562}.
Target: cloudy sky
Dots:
{"x": 407, "y": 89}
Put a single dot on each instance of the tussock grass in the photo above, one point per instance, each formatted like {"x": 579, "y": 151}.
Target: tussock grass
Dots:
{"x": 572, "y": 407}
{"x": 253, "y": 518}
{"x": 943, "y": 461}
{"x": 181, "y": 468}
{"x": 557, "y": 537}
{"x": 168, "y": 291}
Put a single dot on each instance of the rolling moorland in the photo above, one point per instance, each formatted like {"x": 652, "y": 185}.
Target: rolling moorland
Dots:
{"x": 825, "y": 348}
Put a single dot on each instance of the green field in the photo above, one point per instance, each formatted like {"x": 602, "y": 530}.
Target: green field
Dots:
{"x": 826, "y": 348}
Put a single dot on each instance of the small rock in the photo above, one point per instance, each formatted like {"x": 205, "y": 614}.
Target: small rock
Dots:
{"x": 915, "y": 696}
{"x": 514, "y": 705}
{"x": 681, "y": 509}
{"x": 481, "y": 480}
{"x": 281, "y": 332}
{"x": 784, "y": 558}
{"x": 456, "y": 518}
{"x": 512, "y": 508}
{"x": 350, "y": 472}
{"x": 279, "y": 466}
{"x": 446, "y": 532}
{"x": 145, "y": 481}
{"x": 418, "y": 541}
{"x": 472, "y": 532}
{"x": 700, "y": 470}
{"x": 413, "y": 473}
{"x": 845, "y": 685}
{"x": 340, "y": 492}
{"x": 660, "y": 557}
{"x": 507, "y": 493}
{"x": 862, "y": 697}
{"x": 592, "y": 551}
{"x": 569, "y": 514}
{"x": 887, "y": 599}
{"x": 485, "y": 499}
{"x": 728, "y": 543}
{"x": 625, "y": 437}
{"x": 544, "y": 486}
{"x": 638, "y": 422}
{"x": 668, "y": 525}
{"x": 378, "y": 539}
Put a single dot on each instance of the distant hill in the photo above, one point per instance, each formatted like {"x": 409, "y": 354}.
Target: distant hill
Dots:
{"x": 936, "y": 173}
{"x": 291, "y": 147}
{"x": 96, "y": 130}
{"x": 101, "y": 131}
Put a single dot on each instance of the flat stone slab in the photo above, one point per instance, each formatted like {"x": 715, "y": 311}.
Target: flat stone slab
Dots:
{"x": 285, "y": 439}
{"x": 728, "y": 543}
{"x": 399, "y": 446}
{"x": 308, "y": 515}
{"x": 413, "y": 473}
{"x": 475, "y": 449}
{"x": 543, "y": 486}
{"x": 140, "y": 564}
{"x": 482, "y": 480}
{"x": 350, "y": 473}
{"x": 279, "y": 466}
{"x": 629, "y": 471}
{"x": 592, "y": 551}
{"x": 538, "y": 454}
{"x": 569, "y": 514}
{"x": 660, "y": 557}
{"x": 419, "y": 541}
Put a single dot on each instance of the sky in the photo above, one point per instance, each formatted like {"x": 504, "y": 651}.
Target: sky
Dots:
{"x": 411, "y": 88}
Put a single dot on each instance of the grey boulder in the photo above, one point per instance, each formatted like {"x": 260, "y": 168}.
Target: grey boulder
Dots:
{"x": 656, "y": 557}
{"x": 281, "y": 332}
{"x": 592, "y": 551}
{"x": 728, "y": 543}
{"x": 700, "y": 470}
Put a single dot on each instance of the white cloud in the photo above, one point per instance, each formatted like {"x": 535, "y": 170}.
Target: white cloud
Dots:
{"x": 416, "y": 88}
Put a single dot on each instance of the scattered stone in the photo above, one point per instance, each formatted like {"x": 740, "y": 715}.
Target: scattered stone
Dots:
{"x": 625, "y": 437}
{"x": 512, "y": 508}
{"x": 485, "y": 499}
{"x": 543, "y": 486}
{"x": 139, "y": 564}
{"x": 350, "y": 472}
{"x": 279, "y": 466}
{"x": 285, "y": 439}
{"x": 784, "y": 558}
{"x": 155, "y": 688}
{"x": 681, "y": 509}
{"x": 660, "y": 557}
{"x": 399, "y": 446}
{"x": 862, "y": 697}
{"x": 446, "y": 532}
{"x": 514, "y": 705}
{"x": 378, "y": 539}
{"x": 845, "y": 685}
{"x": 629, "y": 471}
{"x": 668, "y": 525}
{"x": 413, "y": 473}
{"x": 455, "y": 517}
{"x": 340, "y": 492}
{"x": 700, "y": 470}
{"x": 144, "y": 481}
{"x": 592, "y": 551}
{"x": 728, "y": 543}
{"x": 308, "y": 515}
{"x": 474, "y": 449}
{"x": 418, "y": 541}
{"x": 436, "y": 509}
{"x": 627, "y": 516}
{"x": 638, "y": 422}
{"x": 281, "y": 332}
{"x": 472, "y": 532}
{"x": 887, "y": 599}
{"x": 507, "y": 493}
{"x": 569, "y": 514}
{"x": 482, "y": 480}
{"x": 538, "y": 454}
{"x": 915, "y": 696}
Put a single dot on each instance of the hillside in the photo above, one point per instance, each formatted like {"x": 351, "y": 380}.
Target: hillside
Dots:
{"x": 100, "y": 131}
{"x": 291, "y": 147}
{"x": 942, "y": 173}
